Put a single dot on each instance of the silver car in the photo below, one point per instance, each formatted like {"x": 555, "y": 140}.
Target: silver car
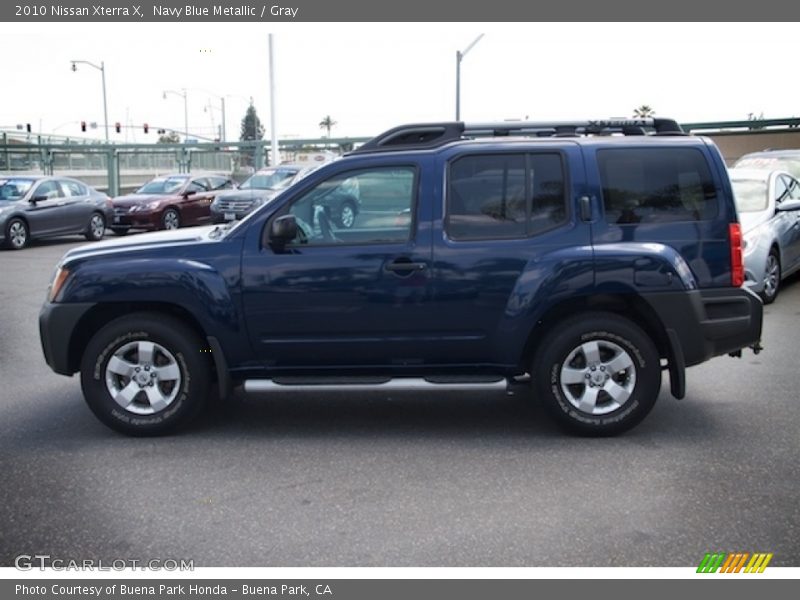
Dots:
{"x": 768, "y": 203}
{"x": 37, "y": 207}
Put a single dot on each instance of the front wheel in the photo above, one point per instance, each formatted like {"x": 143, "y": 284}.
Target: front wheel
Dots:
{"x": 145, "y": 374}
{"x": 171, "y": 219}
{"x": 347, "y": 215}
{"x": 597, "y": 374}
{"x": 17, "y": 235}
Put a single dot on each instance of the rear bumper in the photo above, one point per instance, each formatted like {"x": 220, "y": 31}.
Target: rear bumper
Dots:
{"x": 57, "y": 325}
{"x": 708, "y": 323}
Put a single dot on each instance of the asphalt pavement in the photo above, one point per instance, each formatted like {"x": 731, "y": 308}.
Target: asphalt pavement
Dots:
{"x": 412, "y": 480}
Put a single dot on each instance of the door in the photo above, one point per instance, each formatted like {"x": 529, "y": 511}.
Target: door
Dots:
{"x": 196, "y": 208}
{"x": 45, "y": 211}
{"x": 352, "y": 298}
{"x": 507, "y": 219}
{"x": 77, "y": 209}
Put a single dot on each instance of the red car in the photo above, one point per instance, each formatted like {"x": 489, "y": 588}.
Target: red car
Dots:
{"x": 168, "y": 202}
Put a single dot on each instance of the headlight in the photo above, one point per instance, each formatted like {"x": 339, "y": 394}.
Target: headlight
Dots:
{"x": 59, "y": 280}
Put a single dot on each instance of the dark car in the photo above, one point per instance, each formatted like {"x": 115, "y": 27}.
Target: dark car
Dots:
{"x": 260, "y": 188}
{"x": 588, "y": 258}
{"x": 39, "y": 207}
{"x": 169, "y": 202}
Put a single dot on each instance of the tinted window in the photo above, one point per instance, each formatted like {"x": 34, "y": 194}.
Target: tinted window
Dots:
{"x": 197, "y": 185}
{"x": 650, "y": 185}
{"x": 220, "y": 183}
{"x": 49, "y": 189}
{"x": 489, "y": 196}
{"x": 370, "y": 206}
{"x": 73, "y": 188}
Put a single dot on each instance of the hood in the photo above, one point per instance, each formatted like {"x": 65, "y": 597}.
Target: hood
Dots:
{"x": 143, "y": 241}
{"x": 137, "y": 199}
{"x": 248, "y": 195}
{"x": 751, "y": 220}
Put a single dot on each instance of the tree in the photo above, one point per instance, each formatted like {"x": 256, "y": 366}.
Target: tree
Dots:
{"x": 643, "y": 112}
{"x": 169, "y": 138}
{"x": 327, "y": 123}
{"x": 251, "y": 129}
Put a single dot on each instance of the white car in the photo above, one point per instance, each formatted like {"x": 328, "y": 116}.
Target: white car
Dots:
{"x": 768, "y": 203}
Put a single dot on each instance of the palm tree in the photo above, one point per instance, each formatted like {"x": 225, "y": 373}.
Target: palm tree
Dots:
{"x": 327, "y": 123}
{"x": 643, "y": 112}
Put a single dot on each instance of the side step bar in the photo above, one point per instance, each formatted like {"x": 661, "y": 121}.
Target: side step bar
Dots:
{"x": 400, "y": 384}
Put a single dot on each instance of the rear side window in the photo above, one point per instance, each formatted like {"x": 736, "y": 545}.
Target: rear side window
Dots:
{"x": 505, "y": 196}
{"x": 655, "y": 185}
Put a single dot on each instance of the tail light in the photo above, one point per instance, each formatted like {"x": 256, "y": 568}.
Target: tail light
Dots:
{"x": 737, "y": 262}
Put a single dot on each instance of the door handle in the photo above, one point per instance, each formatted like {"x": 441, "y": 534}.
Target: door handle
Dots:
{"x": 405, "y": 266}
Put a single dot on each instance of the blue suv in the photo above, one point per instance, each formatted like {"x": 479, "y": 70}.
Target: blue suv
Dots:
{"x": 586, "y": 257}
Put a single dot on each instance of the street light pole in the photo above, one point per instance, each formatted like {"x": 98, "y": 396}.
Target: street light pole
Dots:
{"x": 185, "y": 96}
{"x": 102, "y": 69}
{"x": 459, "y": 57}
{"x": 274, "y": 152}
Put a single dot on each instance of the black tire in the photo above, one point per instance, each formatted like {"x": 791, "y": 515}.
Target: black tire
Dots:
{"x": 561, "y": 357}
{"x": 17, "y": 234}
{"x": 773, "y": 286}
{"x": 96, "y": 228}
{"x": 175, "y": 349}
{"x": 171, "y": 219}
{"x": 120, "y": 230}
{"x": 346, "y": 215}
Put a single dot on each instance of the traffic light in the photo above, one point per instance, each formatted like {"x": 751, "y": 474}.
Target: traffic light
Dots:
{"x": 146, "y": 128}
{"x": 28, "y": 127}
{"x": 118, "y": 127}
{"x": 83, "y": 126}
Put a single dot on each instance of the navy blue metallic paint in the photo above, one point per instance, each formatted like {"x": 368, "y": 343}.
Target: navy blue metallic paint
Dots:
{"x": 475, "y": 306}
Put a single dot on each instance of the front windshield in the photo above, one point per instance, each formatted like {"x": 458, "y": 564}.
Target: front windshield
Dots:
{"x": 168, "y": 185}
{"x": 14, "y": 189}
{"x": 750, "y": 195}
{"x": 270, "y": 179}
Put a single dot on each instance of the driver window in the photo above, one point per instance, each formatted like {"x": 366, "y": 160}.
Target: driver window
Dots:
{"x": 197, "y": 185}
{"x": 369, "y": 206}
{"x": 49, "y": 189}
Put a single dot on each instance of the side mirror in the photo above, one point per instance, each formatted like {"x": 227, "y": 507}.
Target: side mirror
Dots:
{"x": 283, "y": 230}
{"x": 789, "y": 205}
{"x": 188, "y": 193}
{"x": 36, "y": 199}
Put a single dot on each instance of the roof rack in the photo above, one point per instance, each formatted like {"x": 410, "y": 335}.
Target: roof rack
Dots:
{"x": 424, "y": 136}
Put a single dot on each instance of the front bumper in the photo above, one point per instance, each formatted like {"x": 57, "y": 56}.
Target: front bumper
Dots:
{"x": 708, "y": 323}
{"x": 57, "y": 329}
{"x": 136, "y": 220}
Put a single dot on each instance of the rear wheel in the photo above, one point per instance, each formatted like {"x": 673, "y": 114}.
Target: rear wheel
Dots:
{"x": 17, "y": 234}
{"x": 145, "y": 374}
{"x": 772, "y": 277}
{"x": 171, "y": 219}
{"x": 597, "y": 374}
{"x": 96, "y": 228}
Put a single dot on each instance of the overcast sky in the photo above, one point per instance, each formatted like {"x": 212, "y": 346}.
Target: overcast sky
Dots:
{"x": 370, "y": 77}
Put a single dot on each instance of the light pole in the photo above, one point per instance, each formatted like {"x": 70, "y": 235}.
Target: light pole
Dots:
{"x": 102, "y": 69}
{"x": 183, "y": 95}
{"x": 459, "y": 57}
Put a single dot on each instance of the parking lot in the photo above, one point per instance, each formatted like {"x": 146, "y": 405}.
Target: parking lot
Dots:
{"x": 412, "y": 480}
